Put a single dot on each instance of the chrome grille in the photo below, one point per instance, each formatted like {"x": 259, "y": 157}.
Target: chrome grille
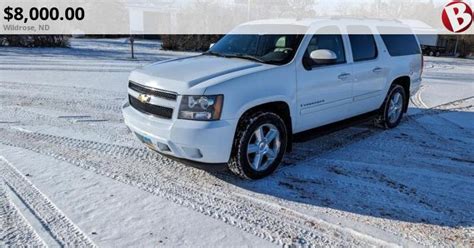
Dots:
{"x": 152, "y": 92}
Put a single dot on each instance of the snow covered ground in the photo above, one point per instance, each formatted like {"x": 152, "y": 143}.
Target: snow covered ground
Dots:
{"x": 72, "y": 174}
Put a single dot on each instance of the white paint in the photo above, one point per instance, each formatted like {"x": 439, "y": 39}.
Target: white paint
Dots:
{"x": 315, "y": 96}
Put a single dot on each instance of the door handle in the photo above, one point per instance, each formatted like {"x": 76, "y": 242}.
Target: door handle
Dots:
{"x": 344, "y": 76}
{"x": 377, "y": 70}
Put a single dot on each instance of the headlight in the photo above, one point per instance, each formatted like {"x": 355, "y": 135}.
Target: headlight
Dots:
{"x": 202, "y": 108}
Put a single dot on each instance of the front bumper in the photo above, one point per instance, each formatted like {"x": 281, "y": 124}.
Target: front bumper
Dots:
{"x": 206, "y": 142}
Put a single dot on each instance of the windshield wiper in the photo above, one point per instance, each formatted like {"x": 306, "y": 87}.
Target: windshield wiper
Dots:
{"x": 245, "y": 56}
{"x": 214, "y": 54}
{"x": 238, "y": 55}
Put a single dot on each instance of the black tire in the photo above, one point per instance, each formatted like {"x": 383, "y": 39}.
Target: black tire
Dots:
{"x": 383, "y": 119}
{"x": 239, "y": 162}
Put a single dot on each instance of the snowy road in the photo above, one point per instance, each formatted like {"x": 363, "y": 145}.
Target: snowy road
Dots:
{"x": 71, "y": 173}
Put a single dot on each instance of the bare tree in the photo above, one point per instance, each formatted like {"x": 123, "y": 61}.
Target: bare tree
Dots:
{"x": 391, "y": 9}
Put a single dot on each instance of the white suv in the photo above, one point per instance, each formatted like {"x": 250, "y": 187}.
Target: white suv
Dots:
{"x": 241, "y": 102}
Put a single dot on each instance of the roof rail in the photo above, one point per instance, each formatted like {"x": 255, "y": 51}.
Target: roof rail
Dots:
{"x": 364, "y": 18}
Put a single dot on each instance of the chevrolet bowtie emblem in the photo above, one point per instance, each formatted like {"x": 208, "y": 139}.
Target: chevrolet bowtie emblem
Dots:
{"x": 144, "y": 98}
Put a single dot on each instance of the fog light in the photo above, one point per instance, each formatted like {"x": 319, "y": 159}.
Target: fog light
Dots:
{"x": 163, "y": 147}
{"x": 192, "y": 152}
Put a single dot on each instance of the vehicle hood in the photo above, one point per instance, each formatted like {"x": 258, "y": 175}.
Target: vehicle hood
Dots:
{"x": 184, "y": 74}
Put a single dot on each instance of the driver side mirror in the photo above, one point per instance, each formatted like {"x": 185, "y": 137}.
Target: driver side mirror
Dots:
{"x": 323, "y": 57}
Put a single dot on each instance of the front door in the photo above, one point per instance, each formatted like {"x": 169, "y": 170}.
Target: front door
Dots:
{"x": 324, "y": 90}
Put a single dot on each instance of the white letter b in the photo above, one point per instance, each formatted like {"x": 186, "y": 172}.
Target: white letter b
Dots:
{"x": 454, "y": 18}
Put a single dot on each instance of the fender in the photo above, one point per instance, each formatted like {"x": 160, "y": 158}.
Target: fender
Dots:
{"x": 266, "y": 100}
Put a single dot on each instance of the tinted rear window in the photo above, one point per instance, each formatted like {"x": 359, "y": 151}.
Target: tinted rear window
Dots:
{"x": 363, "y": 45}
{"x": 400, "y": 44}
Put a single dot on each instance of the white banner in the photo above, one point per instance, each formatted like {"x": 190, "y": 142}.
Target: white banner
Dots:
{"x": 220, "y": 17}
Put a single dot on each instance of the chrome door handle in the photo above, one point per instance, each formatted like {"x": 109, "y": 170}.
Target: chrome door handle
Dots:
{"x": 344, "y": 76}
{"x": 377, "y": 70}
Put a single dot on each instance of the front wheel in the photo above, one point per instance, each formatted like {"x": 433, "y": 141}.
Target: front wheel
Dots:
{"x": 260, "y": 145}
{"x": 392, "y": 111}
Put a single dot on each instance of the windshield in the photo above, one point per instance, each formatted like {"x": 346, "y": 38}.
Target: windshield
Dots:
{"x": 271, "y": 49}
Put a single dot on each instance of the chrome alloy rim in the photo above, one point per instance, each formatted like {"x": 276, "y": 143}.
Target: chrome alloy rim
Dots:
{"x": 395, "y": 108}
{"x": 263, "y": 147}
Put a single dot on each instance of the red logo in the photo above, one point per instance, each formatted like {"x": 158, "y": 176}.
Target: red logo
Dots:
{"x": 457, "y": 16}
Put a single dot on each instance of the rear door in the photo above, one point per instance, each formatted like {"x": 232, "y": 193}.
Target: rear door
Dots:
{"x": 369, "y": 70}
{"x": 404, "y": 53}
{"x": 324, "y": 91}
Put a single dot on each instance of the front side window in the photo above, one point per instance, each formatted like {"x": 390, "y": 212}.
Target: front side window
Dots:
{"x": 276, "y": 49}
{"x": 362, "y": 43}
{"x": 326, "y": 40}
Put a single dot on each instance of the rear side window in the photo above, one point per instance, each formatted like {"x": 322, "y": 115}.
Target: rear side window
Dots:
{"x": 362, "y": 43}
{"x": 401, "y": 44}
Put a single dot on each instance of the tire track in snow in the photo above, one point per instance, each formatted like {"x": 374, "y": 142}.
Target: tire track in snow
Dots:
{"x": 138, "y": 155}
{"x": 163, "y": 177}
{"x": 26, "y": 86}
{"x": 436, "y": 111}
{"x": 417, "y": 100}
{"x": 63, "y": 230}
{"x": 58, "y": 102}
{"x": 48, "y": 103}
{"x": 14, "y": 228}
{"x": 187, "y": 194}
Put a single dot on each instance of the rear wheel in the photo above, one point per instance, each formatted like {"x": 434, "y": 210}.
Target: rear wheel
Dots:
{"x": 392, "y": 111}
{"x": 260, "y": 145}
